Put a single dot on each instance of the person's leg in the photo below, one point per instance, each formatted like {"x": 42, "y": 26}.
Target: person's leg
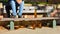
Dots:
{"x": 8, "y": 12}
{"x": 12, "y": 2}
{"x": 21, "y": 9}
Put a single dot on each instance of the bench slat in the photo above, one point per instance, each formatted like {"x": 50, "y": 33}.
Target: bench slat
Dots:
{"x": 27, "y": 19}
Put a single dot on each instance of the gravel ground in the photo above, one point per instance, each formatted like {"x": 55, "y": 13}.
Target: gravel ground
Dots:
{"x": 43, "y": 30}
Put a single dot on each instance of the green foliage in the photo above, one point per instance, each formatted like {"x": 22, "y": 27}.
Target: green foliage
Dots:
{"x": 5, "y": 0}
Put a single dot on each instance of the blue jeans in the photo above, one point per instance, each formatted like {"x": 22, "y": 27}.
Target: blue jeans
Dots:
{"x": 13, "y": 5}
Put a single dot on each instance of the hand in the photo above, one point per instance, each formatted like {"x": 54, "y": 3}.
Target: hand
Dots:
{"x": 18, "y": 1}
{"x": 52, "y": 14}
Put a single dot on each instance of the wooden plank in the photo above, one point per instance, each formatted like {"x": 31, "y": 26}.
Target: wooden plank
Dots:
{"x": 27, "y": 4}
{"x": 27, "y": 19}
{"x": 33, "y": 12}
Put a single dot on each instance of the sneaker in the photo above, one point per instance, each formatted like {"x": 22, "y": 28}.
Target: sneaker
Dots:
{"x": 13, "y": 16}
{"x": 19, "y": 17}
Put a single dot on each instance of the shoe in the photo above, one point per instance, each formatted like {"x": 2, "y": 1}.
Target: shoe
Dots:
{"x": 19, "y": 16}
{"x": 13, "y": 16}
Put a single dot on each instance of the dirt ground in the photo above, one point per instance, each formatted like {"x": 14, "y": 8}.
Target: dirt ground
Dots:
{"x": 43, "y": 30}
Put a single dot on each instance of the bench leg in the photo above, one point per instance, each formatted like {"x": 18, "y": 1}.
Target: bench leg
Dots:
{"x": 11, "y": 25}
{"x": 54, "y": 23}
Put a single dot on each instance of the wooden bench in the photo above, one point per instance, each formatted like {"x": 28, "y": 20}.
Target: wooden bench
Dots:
{"x": 29, "y": 19}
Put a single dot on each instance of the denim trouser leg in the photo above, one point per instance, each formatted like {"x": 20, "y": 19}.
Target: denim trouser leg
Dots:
{"x": 21, "y": 8}
{"x": 12, "y": 2}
